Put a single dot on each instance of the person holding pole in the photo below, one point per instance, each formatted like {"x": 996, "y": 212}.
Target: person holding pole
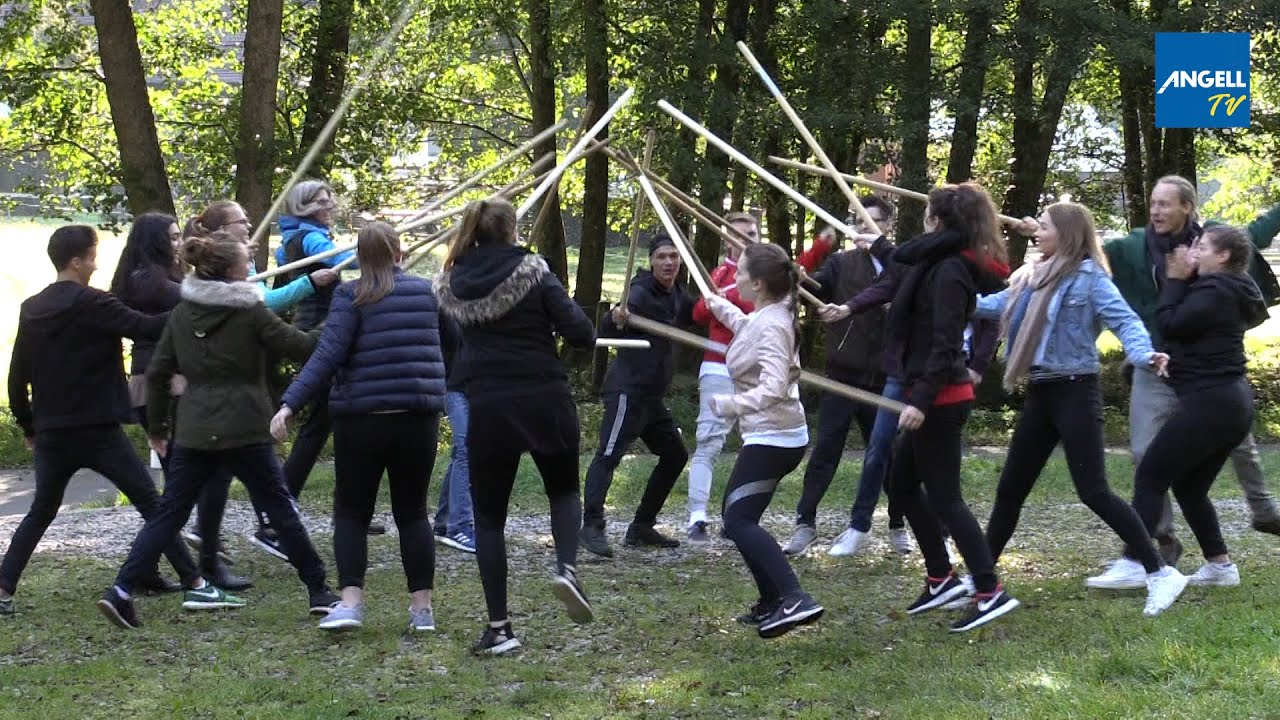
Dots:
{"x": 511, "y": 307}
{"x": 764, "y": 362}
{"x": 633, "y": 394}
{"x": 960, "y": 255}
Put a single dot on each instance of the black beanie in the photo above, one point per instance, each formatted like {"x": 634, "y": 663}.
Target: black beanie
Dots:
{"x": 658, "y": 241}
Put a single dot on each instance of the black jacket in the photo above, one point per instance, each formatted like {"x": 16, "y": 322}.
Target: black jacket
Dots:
{"x": 149, "y": 290}
{"x": 931, "y": 309}
{"x": 647, "y": 372}
{"x": 68, "y": 353}
{"x": 1203, "y": 322}
{"x": 855, "y": 344}
{"x": 510, "y": 307}
{"x": 450, "y": 343}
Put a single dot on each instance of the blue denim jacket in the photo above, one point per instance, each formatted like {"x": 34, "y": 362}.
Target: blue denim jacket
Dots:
{"x": 1085, "y": 302}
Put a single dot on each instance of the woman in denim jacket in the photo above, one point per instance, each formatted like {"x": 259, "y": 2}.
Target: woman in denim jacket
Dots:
{"x": 1051, "y": 316}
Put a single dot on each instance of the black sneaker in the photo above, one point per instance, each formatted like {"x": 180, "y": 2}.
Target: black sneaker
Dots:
{"x": 196, "y": 543}
{"x": 986, "y": 607}
{"x": 790, "y": 614}
{"x": 322, "y": 601}
{"x": 267, "y": 539}
{"x": 217, "y": 573}
{"x": 496, "y": 641}
{"x": 648, "y": 536}
{"x": 377, "y": 528}
{"x": 7, "y": 608}
{"x": 566, "y": 587}
{"x": 1269, "y": 525}
{"x": 937, "y": 593}
{"x": 757, "y": 613}
{"x": 698, "y": 532}
{"x": 593, "y": 540}
{"x": 118, "y": 610}
{"x": 156, "y": 584}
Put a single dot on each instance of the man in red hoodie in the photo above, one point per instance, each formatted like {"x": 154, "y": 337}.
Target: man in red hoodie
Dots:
{"x": 713, "y": 376}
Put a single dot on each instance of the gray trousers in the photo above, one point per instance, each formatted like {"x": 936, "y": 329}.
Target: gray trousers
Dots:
{"x": 1151, "y": 402}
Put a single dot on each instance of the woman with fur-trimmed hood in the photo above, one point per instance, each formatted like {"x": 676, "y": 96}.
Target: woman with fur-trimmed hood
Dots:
{"x": 510, "y": 307}
{"x": 218, "y": 337}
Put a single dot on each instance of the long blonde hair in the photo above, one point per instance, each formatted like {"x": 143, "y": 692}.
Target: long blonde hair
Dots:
{"x": 483, "y": 222}
{"x": 377, "y": 248}
{"x": 1077, "y": 237}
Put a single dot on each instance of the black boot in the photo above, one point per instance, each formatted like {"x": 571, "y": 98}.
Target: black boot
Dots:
{"x": 156, "y": 584}
{"x": 593, "y": 540}
{"x": 216, "y": 572}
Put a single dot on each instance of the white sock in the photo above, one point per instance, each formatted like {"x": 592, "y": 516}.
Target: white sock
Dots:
{"x": 202, "y": 584}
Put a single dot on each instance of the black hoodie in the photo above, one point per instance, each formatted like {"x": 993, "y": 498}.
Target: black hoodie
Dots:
{"x": 68, "y": 351}
{"x": 647, "y": 372}
{"x": 1202, "y": 322}
{"x": 510, "y": 306}
{"x": 931, "y": 308}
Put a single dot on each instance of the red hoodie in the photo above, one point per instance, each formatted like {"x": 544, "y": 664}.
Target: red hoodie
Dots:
{"x": 726, "y": 275}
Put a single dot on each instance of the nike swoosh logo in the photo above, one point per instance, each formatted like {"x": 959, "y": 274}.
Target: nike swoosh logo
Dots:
{"x": 985, "y": 606}
{"x": 209, "y": 593}
{"x": 789, "y": 610}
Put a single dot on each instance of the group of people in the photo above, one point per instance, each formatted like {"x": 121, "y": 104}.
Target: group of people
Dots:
{"x": 382, "y": 357}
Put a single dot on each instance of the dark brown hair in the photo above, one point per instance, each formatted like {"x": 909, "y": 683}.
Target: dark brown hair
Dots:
{"x": 70, "y": 242}
{"x": 772, "y": 266}
{"x": 376, "y": 249}
{"x": 1235, "y": 241}
{"x": 967, "y": 208}
{"x": 214, "y": 255}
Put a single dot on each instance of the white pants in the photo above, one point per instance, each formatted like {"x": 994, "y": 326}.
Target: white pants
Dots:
{"x": 712, "y": 431}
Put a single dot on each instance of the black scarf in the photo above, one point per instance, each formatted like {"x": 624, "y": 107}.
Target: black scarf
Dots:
{"x": 1159, "y": 245}
{"x": 918, "y": 255}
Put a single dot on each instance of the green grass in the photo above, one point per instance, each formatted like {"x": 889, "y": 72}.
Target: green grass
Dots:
{"x": 665, "y": 644}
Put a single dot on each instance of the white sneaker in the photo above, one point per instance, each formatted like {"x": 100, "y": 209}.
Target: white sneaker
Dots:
{"x": 1163, "y": 587}
{"x": 1124, "y": 574}
{"x": 1216, "y": 575}
{"x": 801, "y": 540}
{"x": 900, "y": 541}
{"x": 850, "y": 542}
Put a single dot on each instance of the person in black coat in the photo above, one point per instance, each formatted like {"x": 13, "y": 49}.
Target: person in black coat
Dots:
{"x": 633, "y": 394}
{"x": 511, "y": 307}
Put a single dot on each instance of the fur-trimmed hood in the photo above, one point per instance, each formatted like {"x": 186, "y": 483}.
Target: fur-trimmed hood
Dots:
{"x": 222, "y": 294}
{"x": 488, "y": 282}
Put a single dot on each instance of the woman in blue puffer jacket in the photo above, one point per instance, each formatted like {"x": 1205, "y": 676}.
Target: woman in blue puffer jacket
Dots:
{"x": 1051, "y": 317}
{"x": 380, "y": 352}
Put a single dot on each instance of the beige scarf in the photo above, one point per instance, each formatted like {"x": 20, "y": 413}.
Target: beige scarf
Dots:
{"x": 1042, "y": 282}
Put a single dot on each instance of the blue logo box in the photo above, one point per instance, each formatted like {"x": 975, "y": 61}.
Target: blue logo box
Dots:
{"x": 1202, "y": 80}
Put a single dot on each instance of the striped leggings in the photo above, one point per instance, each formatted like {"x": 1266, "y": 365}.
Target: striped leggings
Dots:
{"x": 752, "y": 483}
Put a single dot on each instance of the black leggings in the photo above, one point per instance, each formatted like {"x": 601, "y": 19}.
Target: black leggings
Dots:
{"x": 1067, "y": 410}
{"x": 1186, "y": 456}
{"x": 751, "y": 485}
{"x": 364, "y": 446}
{"x": 930, "y": 455}
{"x": 501, "y": 431}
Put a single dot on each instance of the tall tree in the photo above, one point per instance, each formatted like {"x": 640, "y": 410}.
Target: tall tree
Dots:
{"x": 142, "y": 169}
{"x": 595, "y": 196}
{"x": 967, "y": 103}
{"x": 255, "y": 153}
{"x": 777, "y": 207}
{"x": 328, "y": 73}
{"x": 914, "y": 110}
{"x": 549, "y": 238}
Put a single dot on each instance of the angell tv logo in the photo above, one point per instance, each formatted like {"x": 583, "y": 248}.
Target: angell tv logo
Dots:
{"x": 1202, "y": 80}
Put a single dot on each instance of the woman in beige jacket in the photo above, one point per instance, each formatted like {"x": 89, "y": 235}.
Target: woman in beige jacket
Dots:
{"x": 763, "y": 361}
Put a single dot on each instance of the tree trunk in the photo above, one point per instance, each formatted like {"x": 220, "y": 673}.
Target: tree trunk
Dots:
{"x": 595, "y": 196}
{"x": 721, "y": 116}
{"x": 256, "y": 154}
{"x": 974, "y": 59}
{"x": 549, "y": 239}
{"x": 777, "y": 215}
{"x": 146, "y": 183}
{"x": 914, "y": 112}
{"x": 1131, "y": 90}
{"x": 328, "y": 74}
{"x": 683, "y": 162}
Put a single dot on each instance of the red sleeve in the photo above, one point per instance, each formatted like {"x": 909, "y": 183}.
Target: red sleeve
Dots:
{"x": 701, "y": 315}
{"x": 810, "y": 259}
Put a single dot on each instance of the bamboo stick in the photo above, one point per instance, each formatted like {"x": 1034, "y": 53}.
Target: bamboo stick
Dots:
{"x": 553, "y": 195}
{"x": 695, "y": 270}
{"x": 636, "y": 217}
{"x": 304, "y": 262}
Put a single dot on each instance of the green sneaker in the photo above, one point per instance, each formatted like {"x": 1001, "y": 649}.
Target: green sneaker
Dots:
{"x": 6, "y": 607}
{"x": 210, "y": 597}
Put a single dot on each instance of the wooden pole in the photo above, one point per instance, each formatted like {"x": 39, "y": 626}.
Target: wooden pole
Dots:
{"x": 653, "y": 327}
{"x": 790, "y": 112}
{"x": 573, "y": 154}
{"x": 883, "y": 187}
{"x": 553, "y": 194}
{"x": 310, "y": 260}
{"x": 636, "y": 217}
{"x": 695, "y": 268}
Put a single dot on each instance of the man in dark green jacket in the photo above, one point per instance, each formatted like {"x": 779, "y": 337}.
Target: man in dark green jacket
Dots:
{"x": 1138, "y": 268}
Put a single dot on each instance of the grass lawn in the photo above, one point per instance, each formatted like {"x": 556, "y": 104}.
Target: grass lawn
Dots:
{"x": 665, "y": 644}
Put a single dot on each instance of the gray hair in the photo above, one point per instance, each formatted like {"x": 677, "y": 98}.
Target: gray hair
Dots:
{"x": 1186, "y": 193}
{"x": 301, "y": 200}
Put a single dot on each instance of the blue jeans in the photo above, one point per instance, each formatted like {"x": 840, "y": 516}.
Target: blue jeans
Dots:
{"x": 454, "y": 515}
{"x": 875, "y": 464}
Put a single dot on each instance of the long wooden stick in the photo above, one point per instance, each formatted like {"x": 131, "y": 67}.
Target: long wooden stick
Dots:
{"x": 304, "y": 262}
{"x": 330, "y": 127}
{"x": 873, "y": 184}
{"x": 574, "y": 153}
{"x": 653, "y": 327}
{"x": 553, "y": 195}
{"x": 501, "y": 162}
{"x": 636, "y": 217}
{"x": 790, "y": 112}
{"x": 695, "y": 268}
{"x": 760, "y": 172}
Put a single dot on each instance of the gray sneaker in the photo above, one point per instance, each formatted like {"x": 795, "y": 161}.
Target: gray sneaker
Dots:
{"x": 804, "y": 536}
{"x": 421, "y": 620}
{"x": 6, "y": 607}
{"x": 341, "y": 617}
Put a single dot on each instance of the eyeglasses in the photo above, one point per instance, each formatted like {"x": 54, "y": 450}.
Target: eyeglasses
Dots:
{"x": 242, "y": 221}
